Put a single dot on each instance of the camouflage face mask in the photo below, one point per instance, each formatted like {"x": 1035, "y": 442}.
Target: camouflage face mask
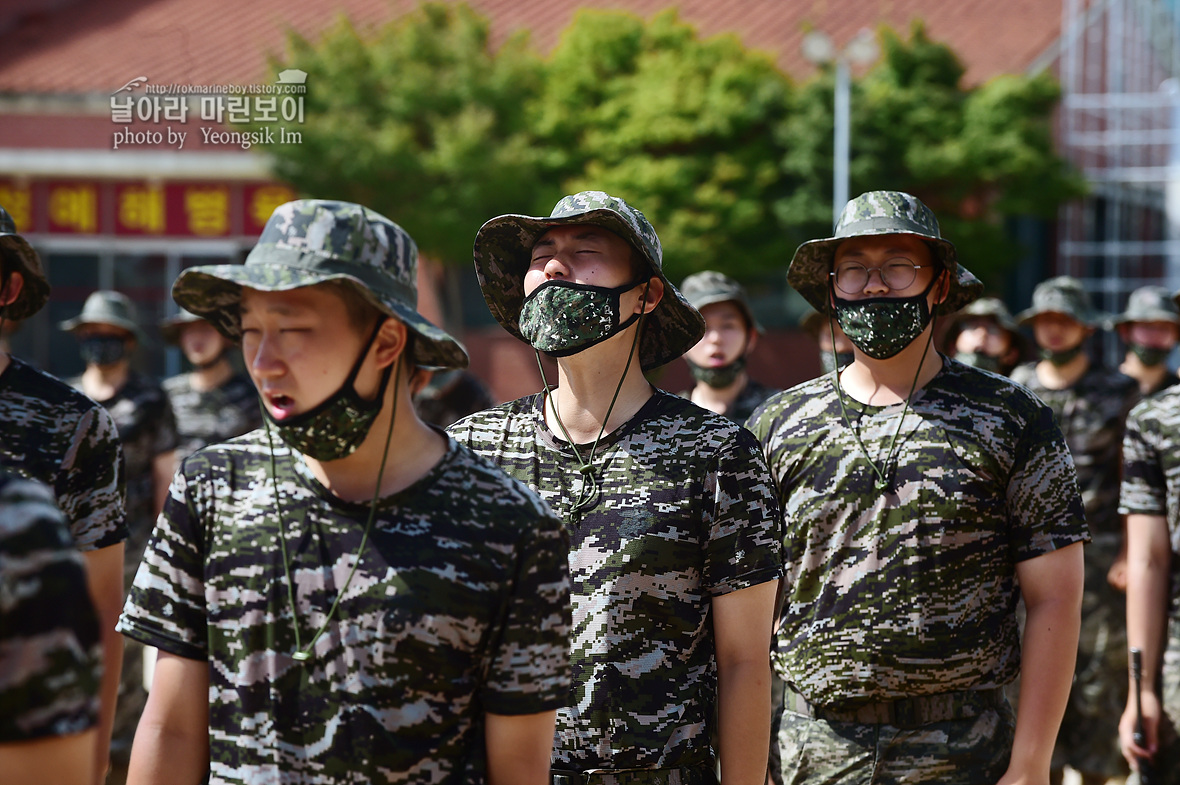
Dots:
{"x": 1150, "y": 356}
{"x": 1063, "y": 357}
{"x": 984, "y": 362}
{"x": 883, "y": 326}
{"x": 830, "y": 361}
{"x": 102, "y": 349}
{"x": 720, "y": 377}
{"x": 336, "y": 427}
{"x": 561, "y": 318}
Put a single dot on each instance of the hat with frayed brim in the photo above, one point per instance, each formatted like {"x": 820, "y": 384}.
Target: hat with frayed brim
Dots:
{"x": 171, "y": 327}
{"x": 1064, "y": 295}
{"x": 19, "y": 257}
{"x": 310, "y": 242}
{"x": 710, "y": 287}
{"x": 106, "y": 307}
{"x": 1149, "y": 304}
{"x": 503, "y": 252}
{"x": 879, "y": 213}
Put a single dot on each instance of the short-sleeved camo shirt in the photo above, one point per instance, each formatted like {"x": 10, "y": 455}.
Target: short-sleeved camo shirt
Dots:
{"x": 1151, "y": 469}
{"x": 911, "y": 589}
{"x": 147, "y": 428}
{"x": 50, "y": 646}
{"x": 205, "y": 417}
{"x": 749, "y": 399}
{"x": 55, "y": 434}
{"x": 685, "y": 512}
{"x": 1092, "y": 414}
{"x": 459, "y": 605}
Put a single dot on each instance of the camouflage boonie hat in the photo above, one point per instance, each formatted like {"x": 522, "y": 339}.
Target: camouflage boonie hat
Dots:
{"x": 990, "y": 308}
{"x": 171, "y": 327}
{"x": 16, "y": 251}
{"x": 875, "y": 213}
{"x": 312, "y": 241}
{"x": 1065, "y": 295}
{"x": 711, "y": 287}
{"x": 106, "y": 307}
{"x": 1149, "y": 304}
{"x": 503, "y": 252}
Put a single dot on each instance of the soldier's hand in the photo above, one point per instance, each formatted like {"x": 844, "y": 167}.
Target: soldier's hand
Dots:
{"x": 1117, "y": 575}
{"x": 1151, "y": 718}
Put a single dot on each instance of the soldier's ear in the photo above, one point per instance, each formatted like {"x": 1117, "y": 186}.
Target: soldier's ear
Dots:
{"x": 11, "y": 288}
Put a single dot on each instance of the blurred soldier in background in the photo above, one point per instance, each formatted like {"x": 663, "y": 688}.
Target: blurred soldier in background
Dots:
{"x": 985, "y": 335}
{"x": 1150, "y": 328}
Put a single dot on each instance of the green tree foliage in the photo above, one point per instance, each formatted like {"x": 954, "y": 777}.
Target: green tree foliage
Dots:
{"x": 421, "y": 120}
{"x": 977, "y": 156}
{"x": 425, "y": 121}
{"x": 682, "y": 127}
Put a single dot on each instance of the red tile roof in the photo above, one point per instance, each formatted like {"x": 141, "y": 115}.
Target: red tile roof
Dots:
{"x": 95, "y": 47}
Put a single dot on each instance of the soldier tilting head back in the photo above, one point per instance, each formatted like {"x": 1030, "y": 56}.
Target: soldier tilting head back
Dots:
{"x": 416, "y": 599}
{"x": 675, "y": 550}
{"x": 921, "y": 499}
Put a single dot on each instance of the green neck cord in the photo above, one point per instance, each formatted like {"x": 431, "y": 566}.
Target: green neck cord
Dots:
{"x": 882, "y": 480}
{"x": 589, "y": 492}
{"x": 304, "y": 654}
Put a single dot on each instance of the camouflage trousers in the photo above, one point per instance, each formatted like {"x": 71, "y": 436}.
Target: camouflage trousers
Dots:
{"x": 1089, "y": 736}
{"x": 969, "y": 751}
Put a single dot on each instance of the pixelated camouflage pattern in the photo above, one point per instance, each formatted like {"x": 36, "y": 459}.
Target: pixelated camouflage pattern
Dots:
{"x": 1166, "y": 762}
{"x": 18, "y": 256}
{"x": 1065, "y": 295}
{"x": 50, "y": 645}
{"x": 684, "y": 512}
{"x": 749, "y": 399}
{"x": 882, "y": 327}
{"x": 503, "y": 251}
{"x": 972, "y": 751}
{"x": 874, "y": 213}
{"x": 1151, "y": 471}
{"x": 710, "y": 287}
{"x": 911, "y": 589}
{"x": 1149, "y": 304}
{"x": 57, "y": 435}
{"x": 459, "y": 605}
{"x": 1092, "y": 414}
{"x": 205, "y": 417}
{"x": 107, "y": 307}
{"x": 147, "y": 428}
{"x": 557, "y": 317}
{"x": 311, "y": 241}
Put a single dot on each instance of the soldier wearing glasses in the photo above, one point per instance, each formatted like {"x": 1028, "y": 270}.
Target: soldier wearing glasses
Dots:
{"x": 922, "y": 499}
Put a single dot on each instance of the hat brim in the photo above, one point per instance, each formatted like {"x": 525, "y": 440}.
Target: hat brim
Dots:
{"x": 34, "y": 291}
{"x": 1095, "y": 320}
{"x": 1145, "y": 316}
{"x": 808, "y": 272}
{"x": 503, "y": 252}
{"x": 72, "y": 325}
{"x": 214, "y": 293}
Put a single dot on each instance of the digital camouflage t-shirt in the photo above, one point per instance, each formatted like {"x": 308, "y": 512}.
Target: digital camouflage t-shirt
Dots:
{"x": 205, "y": 417}
{"x": 147, "y": 428}
{"x": 50, "y": 647}
{"x": 910, "y": 589}
{"x": 55, "y": 434}
{"x": 684, "y": 512}
{"x": 459, "y": 606}
{"x": 1092, "y": 413}
{"x": 1151, "y": 470}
